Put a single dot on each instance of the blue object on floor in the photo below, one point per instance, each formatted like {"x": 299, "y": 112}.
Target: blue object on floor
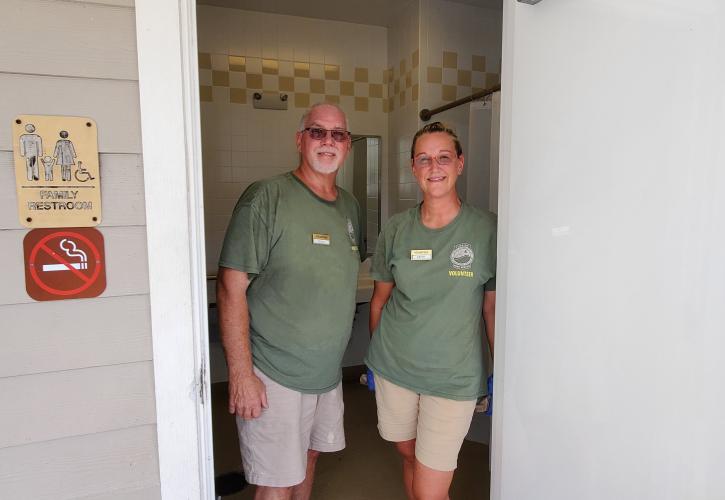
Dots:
{"x": 371, "y": 380}
{"x": 489, "y": 385}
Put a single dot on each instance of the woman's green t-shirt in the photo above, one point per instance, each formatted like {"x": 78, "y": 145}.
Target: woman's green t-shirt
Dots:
{"x": 429, "y": 336}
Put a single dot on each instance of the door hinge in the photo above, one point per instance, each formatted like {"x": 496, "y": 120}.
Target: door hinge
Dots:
{"x": 202, "y": 384}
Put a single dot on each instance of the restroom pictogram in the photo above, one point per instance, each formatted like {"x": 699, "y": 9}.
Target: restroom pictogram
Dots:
{"x": 57, "y": 171}
{"x": 64, "y": 263}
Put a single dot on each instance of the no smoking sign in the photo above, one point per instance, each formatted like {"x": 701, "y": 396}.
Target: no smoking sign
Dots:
{"x": 64, "y": 263}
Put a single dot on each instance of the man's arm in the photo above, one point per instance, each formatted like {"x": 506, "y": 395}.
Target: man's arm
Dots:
{"x": 381, "y": 294}
{"x": 247, "y": 394}
{"x": 489, "y": 316}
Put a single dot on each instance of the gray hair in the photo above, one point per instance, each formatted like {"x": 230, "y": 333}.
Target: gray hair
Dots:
{"x": 306, "y": 115}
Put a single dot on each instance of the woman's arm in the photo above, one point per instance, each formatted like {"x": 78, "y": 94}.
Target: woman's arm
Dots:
{"x": 381, "y": 294}
{"x": 489, "y": 316}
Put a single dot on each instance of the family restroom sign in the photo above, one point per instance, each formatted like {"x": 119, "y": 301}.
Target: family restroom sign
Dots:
{"x": 56, "y": 171}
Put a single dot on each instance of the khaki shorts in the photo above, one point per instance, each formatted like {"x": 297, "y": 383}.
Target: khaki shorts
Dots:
{"x": 437, "y": 424}
{"x": 274, "y": 445}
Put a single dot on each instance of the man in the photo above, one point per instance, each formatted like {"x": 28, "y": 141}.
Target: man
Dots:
{"x": 31, "y": 148}
{"x": 286, "y": 298}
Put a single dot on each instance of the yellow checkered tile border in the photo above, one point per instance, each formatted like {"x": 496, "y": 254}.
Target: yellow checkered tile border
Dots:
{"x": 458, "y": 77}
{"x": 402, "y": 82}
{"x": 454, "y": 78}
{"x": 304, "y": 82}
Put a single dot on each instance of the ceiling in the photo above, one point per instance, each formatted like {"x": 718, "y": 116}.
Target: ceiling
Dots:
{"x": 372, "y": 12}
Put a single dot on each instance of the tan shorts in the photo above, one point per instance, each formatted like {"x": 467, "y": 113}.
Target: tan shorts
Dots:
{"x": 274, "y": 445}
{"x": 437, "y": 424}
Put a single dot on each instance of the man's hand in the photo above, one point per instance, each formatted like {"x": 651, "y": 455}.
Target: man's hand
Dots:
{"x": 247, "y": 396}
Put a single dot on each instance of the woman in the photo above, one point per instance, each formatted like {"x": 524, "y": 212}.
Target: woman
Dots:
{"x": 64, "y": 154}
{"x": 434, "y": 270}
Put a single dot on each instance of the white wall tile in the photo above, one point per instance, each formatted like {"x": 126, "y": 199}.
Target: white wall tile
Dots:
{"x": 238, "y": 159}
{"x": 238, "y": 142}
{"x": 302, "y": 84}
{"x": 237, "y": 80}
{"x": 220, "y": 94}
{"x": 332, "y": 87}
{"x": 204, "y": 77}
{"x": 270, "y": 82}
{"x": 239, "y": 121}
{"x": 210, "y": 38}
{"x": 254, "y": 65}
{"x": 347, "y": 71}
{"x": 361, "y": 89}
{"x": 301, "y": 53}
{"x": 286, "y": 68}
{"x": 219, "y": 62}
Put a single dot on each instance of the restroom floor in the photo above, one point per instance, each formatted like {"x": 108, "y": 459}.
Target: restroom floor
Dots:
{"x": 368, "y": 469}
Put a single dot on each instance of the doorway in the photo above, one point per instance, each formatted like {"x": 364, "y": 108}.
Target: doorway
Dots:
{"x": 382, "y": 72}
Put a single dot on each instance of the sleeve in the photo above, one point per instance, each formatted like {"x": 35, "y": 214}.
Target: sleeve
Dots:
{"x": 380, "y": 269}
{"x": 248, "y": 238}
{"x": 490, "y": 285}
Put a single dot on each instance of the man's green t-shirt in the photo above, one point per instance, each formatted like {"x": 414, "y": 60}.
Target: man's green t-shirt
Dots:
{"x": 429, "y": 336}
{"x": 303, "y": 255}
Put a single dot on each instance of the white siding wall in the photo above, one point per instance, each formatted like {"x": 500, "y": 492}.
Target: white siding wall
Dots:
{"x": 76, "y": 376}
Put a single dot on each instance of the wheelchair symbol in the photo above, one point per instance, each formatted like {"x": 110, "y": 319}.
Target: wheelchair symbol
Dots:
{"x": 82, "y": 174}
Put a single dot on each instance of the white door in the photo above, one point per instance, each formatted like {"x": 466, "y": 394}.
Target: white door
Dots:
{"x": 609, "y": 372}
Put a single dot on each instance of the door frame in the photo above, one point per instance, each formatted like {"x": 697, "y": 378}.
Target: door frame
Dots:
{"x": 170, "y": 121}
{"x": 169, "y": 102}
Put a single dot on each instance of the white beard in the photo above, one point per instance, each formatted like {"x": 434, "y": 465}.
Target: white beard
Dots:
{"x": 325, "y": 167}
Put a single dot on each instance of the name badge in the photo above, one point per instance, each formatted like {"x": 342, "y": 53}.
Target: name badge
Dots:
{"x": 320, "y": 239}
{"x": 421, "y": 255}
{"x": 354, "y": 248}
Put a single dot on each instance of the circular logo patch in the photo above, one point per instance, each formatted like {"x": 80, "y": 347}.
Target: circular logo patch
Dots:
{"x": 462, "y": 256}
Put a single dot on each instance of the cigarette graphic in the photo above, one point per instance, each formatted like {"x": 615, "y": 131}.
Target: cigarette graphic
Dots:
{"x": 63, "y": 267}
{"x": 71, "y": 250}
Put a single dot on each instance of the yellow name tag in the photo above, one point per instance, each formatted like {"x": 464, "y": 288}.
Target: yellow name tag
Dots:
{"x": 320, "y": 239}
{"x": 421, "y": 255}
{"x": 354, "y": 248}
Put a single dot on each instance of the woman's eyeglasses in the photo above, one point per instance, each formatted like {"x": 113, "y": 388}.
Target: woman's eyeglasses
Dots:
{"x": 319, "y": 134}
{"x": 424, "y": 161}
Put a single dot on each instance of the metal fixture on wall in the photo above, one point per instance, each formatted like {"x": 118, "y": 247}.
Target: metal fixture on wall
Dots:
{"x": 270, "y": 100}
{"x": 427, "y": 114}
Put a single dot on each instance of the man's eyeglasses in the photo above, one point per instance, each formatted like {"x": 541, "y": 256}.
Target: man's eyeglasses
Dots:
{"x": 424, "y": 161}
{"x": 319, "y": 134}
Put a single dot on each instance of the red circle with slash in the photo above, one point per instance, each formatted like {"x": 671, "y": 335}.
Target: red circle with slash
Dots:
{"x": 53, "y": 271}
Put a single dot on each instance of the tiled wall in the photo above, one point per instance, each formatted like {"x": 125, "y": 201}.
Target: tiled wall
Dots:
{"x": 234, "y": 79}
{"x": 404, "y": 72}
{"x": 461, "y": 50}
{"x": 242, "y": 52}
{"x": 436, "y": 51}
{"x": 461, "y": 54}
{"x": 449, "y": 76}
{"x": 402, "y": 80}
{"x": 440, "y": 51}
